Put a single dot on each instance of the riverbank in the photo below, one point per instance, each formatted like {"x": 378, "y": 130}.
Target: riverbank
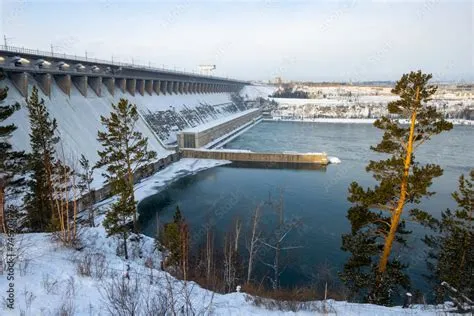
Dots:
{"x": 354, "y": 120}
{"x": 175, "y": 171}
{"x": 50, "y": 279}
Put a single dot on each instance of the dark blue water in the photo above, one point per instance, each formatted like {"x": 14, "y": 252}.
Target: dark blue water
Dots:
{"x": 316, "y": 199}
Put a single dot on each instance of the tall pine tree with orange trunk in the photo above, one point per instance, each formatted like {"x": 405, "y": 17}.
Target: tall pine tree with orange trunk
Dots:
{"x": 402, "y": 182}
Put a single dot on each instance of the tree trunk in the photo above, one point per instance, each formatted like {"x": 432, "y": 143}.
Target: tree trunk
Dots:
{"x": 125, "y": 245}
{"x": 130, "y": 183}
{"x": 238, "y": 227}
{"x": 209, "y": 253}
{"x": 396, "y": 215}
{"x": 90, "y": 204}
{"x": 253, "y": 242}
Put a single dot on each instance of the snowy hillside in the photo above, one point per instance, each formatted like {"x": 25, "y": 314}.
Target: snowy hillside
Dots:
{"x": 360, "y": 107}
{"x": 364, "y": 102}
{"x": 252, "y": 92}
{"x": 50, "y": 279}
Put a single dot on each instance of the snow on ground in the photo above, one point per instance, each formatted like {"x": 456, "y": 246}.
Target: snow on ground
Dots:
{"x": 47, "y": 278}
{"x": 327, "y": 120}
{"x": 355, "y": 120}
{"x": 183, "y": 167}
{"x": 251, "y": 92}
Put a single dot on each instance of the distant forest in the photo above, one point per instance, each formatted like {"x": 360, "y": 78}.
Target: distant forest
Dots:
{"x": 289, "y": 93}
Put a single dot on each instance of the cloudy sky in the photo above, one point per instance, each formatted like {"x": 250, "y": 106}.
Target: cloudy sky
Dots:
{"x": 257, "y": 40}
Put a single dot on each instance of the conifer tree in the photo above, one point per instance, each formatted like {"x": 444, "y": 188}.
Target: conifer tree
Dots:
{"x": 452, "y": 249}
{"x": 11, "y": 161}
{"x": 125, "y": 151}
{"x": 376, "y": 214}
{"x": 173, "y": 239}
{"x": 118, "y": 219}
{"x": 41, "y": 161}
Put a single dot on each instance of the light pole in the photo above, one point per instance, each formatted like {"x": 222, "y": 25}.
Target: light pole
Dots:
{"x": 52, "y": 49}
{"x": 5, "y": 39}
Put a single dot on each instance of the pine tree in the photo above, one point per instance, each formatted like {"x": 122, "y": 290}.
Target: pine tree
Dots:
{"x": 177, "y": 217}
{"x": 173, "y": 239}
{"x": 125, "y": 150}
{"x": 85, "y": 181}
{"x": 118, "y": 218}
{"x": 11, "y": 161}
{"x": 43, "y": 139}
{"x": 452, "y": 249}
{"x": 376, "y": 214}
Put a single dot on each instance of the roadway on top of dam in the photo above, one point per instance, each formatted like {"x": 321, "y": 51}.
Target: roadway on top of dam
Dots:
{"x": 47, "y": 62}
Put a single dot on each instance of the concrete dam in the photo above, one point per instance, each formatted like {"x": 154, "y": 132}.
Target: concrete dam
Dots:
{"x": 77, "y": 91}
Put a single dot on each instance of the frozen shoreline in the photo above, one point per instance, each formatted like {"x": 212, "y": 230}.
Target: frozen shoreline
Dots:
{"x": 356, "y": 120}
{"x": 175, "y": 171}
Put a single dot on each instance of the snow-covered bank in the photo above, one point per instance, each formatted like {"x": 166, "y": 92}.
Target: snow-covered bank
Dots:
{"x": 47, "y": 280}
{"x": 183, "y": 167}
{"x": 356, "y": 120}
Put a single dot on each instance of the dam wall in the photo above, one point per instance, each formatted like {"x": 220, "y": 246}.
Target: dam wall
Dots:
{"x": 202, "y": 135}
{"x": 248, "y": 156}
{"x": 78, "y": 117}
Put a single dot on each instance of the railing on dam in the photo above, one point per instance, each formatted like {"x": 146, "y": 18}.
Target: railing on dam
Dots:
{"x": 21, "y": 50}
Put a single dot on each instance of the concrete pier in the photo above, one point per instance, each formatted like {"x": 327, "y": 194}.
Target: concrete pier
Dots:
{"x": 96, "y": 84}
{"x": 44, "y": 82}
{"x": 121, "y": 83}
{"x": 110, "y": 84}
{"x": 81, "y": 84}
{"x": 20, "y": 81}
{"x": 140, "y": 86}
{"x": 149, "y": 86}
{"x": 248, "y": 156}
{"x": 64, "y": 83}
{"x": 131, "y": 86}
{"x": 164, "y": 87}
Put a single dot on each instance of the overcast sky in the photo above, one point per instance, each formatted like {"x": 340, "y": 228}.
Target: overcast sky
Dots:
{"x": 258, "y": 40}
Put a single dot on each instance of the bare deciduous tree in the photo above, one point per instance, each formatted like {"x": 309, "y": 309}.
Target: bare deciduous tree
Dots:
{"x": 254, "y": 244}
{"x": 229, "y": 259}
{"x": 276, "y": 242}
{"x": 209, "y": 253}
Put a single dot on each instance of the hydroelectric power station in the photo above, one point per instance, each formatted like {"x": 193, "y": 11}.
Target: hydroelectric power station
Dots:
{"x": 177, "y": 110}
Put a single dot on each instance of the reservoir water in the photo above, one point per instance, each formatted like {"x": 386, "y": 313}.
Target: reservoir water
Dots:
{"x": 316, "y": 199}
